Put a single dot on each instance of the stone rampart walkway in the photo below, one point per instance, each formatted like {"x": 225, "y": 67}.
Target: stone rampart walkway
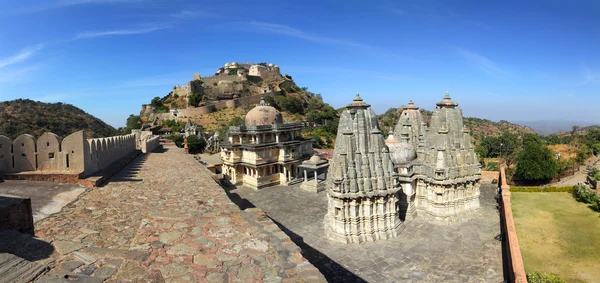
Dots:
{"x": 163, "y": 219}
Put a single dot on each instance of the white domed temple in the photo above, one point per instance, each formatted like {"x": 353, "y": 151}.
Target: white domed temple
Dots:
{"x": 265, "y": 151}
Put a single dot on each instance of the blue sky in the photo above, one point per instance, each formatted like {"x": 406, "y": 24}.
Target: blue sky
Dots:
{"x": 510, "y": 60}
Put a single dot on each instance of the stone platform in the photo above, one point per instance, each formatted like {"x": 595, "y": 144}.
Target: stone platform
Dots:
{"x": 423, "y": 252}
{"x": 164, "y": 219}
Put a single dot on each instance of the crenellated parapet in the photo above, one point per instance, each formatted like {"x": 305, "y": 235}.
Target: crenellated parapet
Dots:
{"x": 72, "y": 155}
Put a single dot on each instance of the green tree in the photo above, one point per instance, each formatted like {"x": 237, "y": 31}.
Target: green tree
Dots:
{"x": 536, "y": 162}
{"x": 236, "y": 121}
{"x": 195, "y": 99}
{"x": 196, "y": 144}
{"x": 133, "y": 122}
{"x": 156, "y": 102}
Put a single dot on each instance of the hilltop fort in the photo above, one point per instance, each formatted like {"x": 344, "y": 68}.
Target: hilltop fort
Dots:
{"x": 231, "y": 86}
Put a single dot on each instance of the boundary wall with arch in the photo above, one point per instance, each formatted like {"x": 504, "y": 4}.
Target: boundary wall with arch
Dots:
{"x": 50, "y": 154}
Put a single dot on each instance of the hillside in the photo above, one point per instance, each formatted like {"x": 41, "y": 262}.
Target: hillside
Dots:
{"x": 545, "y": 128}
{"x": 24, "y": 116}
{"x": 222, "y": 99}
{"x": 479, "y": 128}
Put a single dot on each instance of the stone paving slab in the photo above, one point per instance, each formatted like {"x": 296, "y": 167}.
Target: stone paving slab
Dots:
{"x": 164, "y": 219}
{"x": 46, "y": 198}
{"x": 424, "y": 252}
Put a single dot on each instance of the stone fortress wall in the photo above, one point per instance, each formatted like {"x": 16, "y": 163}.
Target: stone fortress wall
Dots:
{"x": 221, "y": 85}
{"x": 72, "y": 155}
{"x": 231, "y": 103}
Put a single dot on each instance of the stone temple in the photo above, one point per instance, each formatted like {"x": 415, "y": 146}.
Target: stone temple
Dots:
{"x": 363, "y": 193}
{"x": 375, "y": 186}
{"x": 266, "y": 151}
{"x": 445, "y": 170}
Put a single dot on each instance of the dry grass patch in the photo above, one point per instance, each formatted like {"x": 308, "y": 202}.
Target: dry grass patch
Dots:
{"x": 558, "y": 235}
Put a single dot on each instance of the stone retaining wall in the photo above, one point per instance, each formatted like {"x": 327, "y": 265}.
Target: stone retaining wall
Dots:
{"x": 512, "y": 251}
{"x": 16, "y": 214}
{"x": 220, "y": 105}
{"x": 150, "y": 144}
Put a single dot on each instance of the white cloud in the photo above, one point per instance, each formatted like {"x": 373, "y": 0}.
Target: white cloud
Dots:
{"x": 19, "y": 57}
{"x": 94, "y": 34}
{"x": 190, "y": 14}
{"x": 292, "y": 32}
{"x": 589, "y": 77}
{"x": 80, "y": 2}
{"x": 481, "y": 62}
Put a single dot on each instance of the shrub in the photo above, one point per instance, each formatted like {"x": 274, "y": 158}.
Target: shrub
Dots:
{"x": 492, "y": 166}
{"x": 195, "y": 99}
{"x": 582, "y": 194}
{"x": 176, "y": 96}
{"x": 567, "y": 189}
{"x": 538, "y": 277}
{"x": 177, "y": 139}
{"x": 196, "y": 144}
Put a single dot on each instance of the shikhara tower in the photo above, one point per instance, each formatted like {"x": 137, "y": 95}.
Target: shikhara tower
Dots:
{"x": 363, "y": 187}
{"x": 376, "y": 185}
{"x": 446, "y": 172}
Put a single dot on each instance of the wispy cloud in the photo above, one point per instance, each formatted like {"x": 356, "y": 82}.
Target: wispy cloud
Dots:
{"x": 289, "y": 31}
{"x": 190, "y": 14}
{"x": 293, "y": 32}
{"x": 18, "y": 75}
{"x": 589, "y": 77}
{"x": 350, "y": 72}
{"x": 80, "y": 2}
{"x": 94, "y": 34}
{"x": 481, "y": 62}
{"x": 21, "y": 56}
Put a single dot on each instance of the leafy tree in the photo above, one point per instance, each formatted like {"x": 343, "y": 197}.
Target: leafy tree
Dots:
{"x": 133, "y": 122}
{"x": 536, "y": 162}
{"x": 583, "y": 153}
{"x": 177, "y": 139}
{"x": 156, "y": 102}
{"x": 195, "y": 99}
{"x": 236, "y": 121}
{"x": 290, "y": 104}
{"x": 196, "y": 144}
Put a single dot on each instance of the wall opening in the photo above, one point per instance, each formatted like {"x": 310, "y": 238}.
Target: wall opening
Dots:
{"x": 51, "y": 155}
{"x": 67, "y": 159}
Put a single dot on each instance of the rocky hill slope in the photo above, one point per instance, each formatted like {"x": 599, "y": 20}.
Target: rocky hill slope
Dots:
{"x": 24, "y": 116}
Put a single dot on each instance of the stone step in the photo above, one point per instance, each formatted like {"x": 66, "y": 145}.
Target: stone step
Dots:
{"x": 16, "y": 269}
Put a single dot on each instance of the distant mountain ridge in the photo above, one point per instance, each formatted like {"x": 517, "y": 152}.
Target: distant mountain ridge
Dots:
{"x": 24, "y": 116}
{"x": 548, "y": 127}
{"x": 479, "y": 128}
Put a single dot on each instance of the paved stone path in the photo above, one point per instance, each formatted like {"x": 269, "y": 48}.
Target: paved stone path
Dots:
{"x": 164, "y": 219}
{"x": 424, "y": 252}
{"x": 46, "y": 198}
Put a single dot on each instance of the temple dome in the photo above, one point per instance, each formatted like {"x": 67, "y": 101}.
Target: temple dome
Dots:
{"x": 315, "y": 159}
{"x": 263, "y": 114}
{"x": 400, "y": 152}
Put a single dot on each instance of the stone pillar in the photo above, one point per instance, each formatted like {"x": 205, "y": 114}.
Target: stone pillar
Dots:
{"x": 316, "y": 181}
{"x": 305, "y": 176}
{"x": 277, "y": 138}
